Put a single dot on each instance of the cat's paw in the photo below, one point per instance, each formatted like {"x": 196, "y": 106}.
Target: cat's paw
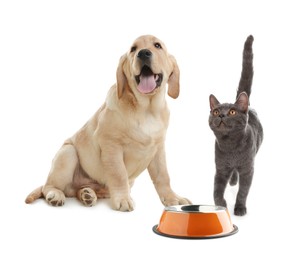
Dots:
{"x": 240, "y": 210}
{"x": 220, "y": 202}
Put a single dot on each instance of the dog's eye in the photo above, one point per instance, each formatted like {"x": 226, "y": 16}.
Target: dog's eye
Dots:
{"x": 158, "y": 45}
{"x": 133, "y": 49}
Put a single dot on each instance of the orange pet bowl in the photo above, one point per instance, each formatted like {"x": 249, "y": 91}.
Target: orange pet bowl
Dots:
{"x": 195, "y": 222}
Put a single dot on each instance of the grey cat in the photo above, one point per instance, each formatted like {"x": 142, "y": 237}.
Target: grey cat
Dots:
{"x": 239, "y": 135}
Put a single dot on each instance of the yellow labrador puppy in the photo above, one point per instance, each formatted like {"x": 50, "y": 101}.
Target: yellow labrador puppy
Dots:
{"x": 123, "y": 138}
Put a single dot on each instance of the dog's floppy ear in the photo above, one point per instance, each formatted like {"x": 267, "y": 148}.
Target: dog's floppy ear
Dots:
{"x": 173, "y": 81}
{"x": 120, "y": 76}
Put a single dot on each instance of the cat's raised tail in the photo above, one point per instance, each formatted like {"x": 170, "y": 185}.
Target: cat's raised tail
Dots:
{"x": 247, "y": 68}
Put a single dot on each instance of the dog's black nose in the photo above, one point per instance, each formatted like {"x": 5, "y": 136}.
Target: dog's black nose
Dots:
{"x": 144, "y": 54}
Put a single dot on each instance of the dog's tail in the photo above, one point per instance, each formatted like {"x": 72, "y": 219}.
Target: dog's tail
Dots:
{"x": 34, "y": 195}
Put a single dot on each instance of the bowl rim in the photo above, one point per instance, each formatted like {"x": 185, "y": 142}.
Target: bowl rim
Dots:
{"x": 197, "y": 208}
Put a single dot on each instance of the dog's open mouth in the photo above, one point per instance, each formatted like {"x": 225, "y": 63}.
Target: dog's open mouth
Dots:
{"x": 148, "y": 81}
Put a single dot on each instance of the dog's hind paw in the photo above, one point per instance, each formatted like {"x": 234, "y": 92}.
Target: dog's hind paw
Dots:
{"x": 55, "y": 198}
{"x": 87, "y": 196}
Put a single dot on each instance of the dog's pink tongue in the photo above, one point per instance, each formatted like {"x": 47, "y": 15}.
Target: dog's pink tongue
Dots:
{"x": 147, "y": 84}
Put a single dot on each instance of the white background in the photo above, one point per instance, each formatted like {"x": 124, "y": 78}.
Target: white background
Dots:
{"x": 57, "y": 61}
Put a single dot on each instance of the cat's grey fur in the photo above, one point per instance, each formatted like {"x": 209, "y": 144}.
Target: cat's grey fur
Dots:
{"x": 239, "y": 135}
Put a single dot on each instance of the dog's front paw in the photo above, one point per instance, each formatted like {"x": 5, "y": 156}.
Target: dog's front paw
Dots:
{"x": 174, "y": 199}
{"x": 123, "y": 203}
{"x": 55, "y": 198}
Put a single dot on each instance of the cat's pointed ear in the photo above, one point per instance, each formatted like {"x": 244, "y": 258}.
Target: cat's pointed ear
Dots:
{"x": 243, "y": 101}
{"x": 213, "y": 102}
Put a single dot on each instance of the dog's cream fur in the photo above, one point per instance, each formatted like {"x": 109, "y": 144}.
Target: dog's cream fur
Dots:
{"x": 124, "y": 137}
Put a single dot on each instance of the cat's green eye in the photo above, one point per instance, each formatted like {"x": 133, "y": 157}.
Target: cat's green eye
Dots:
{"x": 215, "y": 112}
{"x": 232, "y": 112}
